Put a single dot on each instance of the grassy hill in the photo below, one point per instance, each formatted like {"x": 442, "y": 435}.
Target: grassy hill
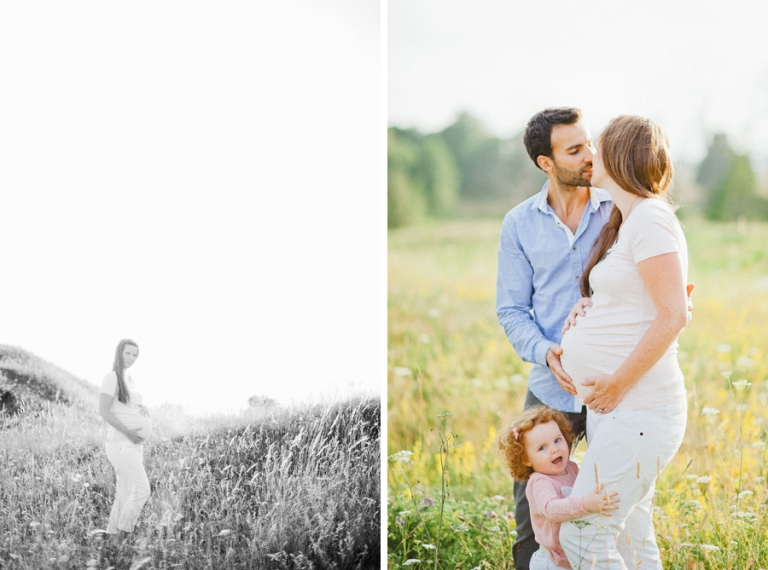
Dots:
{"x": 29, "y": 382}
{"x": 269, "y": 488}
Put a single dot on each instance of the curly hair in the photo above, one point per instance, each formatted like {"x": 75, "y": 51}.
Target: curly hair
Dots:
{"x": 538, "y": 134}
{"x": 513, "y": 448}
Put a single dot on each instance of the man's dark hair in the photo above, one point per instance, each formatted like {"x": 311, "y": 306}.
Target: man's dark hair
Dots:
{"x": 538, "y": 133}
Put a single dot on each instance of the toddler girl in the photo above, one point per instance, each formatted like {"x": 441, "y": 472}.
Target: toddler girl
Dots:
{"x": 536, "y": 447}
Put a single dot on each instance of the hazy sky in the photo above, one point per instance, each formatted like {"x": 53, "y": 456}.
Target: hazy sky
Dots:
{"x": 205, "y": 178}
{"x": 694, "y": 66}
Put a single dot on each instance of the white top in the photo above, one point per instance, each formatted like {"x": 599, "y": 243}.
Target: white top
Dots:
{"x": 133, "y": 415}
{"x": 623, "y": 310}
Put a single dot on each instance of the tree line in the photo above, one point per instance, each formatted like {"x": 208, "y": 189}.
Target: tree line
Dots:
{"x": 465, "y": 170}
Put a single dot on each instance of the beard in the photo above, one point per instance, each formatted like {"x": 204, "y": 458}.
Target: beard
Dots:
{"x": 571, "y": 177}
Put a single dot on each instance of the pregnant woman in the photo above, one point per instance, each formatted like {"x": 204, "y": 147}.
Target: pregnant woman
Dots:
{"x": 622, "y": 353}
{"x": 120, "y": 404}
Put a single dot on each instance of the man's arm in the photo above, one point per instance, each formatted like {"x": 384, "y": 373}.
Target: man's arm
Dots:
{"x": 514, "y": 302}
{"x": 514, "y": 299}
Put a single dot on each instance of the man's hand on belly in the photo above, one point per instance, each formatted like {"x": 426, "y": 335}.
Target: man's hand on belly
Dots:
{"x": 553, "y": 360}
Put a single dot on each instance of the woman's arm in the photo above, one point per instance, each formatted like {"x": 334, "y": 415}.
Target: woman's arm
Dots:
{"x": 105, "y": 405}
{"x": 663, "y": 278}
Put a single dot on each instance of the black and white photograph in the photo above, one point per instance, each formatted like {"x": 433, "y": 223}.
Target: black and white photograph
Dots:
{"x": 192, "y": 346}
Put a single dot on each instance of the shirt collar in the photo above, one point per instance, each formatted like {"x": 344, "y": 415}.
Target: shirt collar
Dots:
{"x": 596, "y": 197}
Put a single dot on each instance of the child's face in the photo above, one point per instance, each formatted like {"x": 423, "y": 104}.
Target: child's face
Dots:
{"x": 546, "y": 449}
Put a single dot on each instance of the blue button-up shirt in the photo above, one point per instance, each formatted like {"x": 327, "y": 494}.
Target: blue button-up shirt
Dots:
{"x": 540, "y": 267}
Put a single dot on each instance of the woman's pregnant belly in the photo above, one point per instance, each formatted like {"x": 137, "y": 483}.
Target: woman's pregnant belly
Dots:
{"x": 591, "y": 349}
{"x": 132, "y": 418}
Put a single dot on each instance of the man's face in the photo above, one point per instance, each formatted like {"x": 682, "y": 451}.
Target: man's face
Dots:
{"x": 572, "y": 152}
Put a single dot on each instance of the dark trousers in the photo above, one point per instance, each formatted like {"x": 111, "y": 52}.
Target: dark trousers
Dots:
{"x": 525, "y": 543}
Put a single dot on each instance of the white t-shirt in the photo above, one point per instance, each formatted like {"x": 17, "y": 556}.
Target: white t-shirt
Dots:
{"x": 133, "y": 415}
{"x": 623, "y": 310}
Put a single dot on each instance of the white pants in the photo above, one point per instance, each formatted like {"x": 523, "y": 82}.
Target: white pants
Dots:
{"x": 630, "y": 448}
{"x": 541, "y": 561}
{"x": 132, "y": 488}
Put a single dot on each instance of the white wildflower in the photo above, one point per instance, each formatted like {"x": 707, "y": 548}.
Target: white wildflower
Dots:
{"x": 411, "y": 562}
{"x": 225, "y": 532}
{"x": 429, "y": 546}
{"x": 745, "y": 494}
{"x": 401, "y": 456}
{"x": 402, "y": 371}
{"x": 497, "y": 498}
{"x": 704, "y": 479}
{"x": 742, "y": 385}
{"x": 710, "y": 412}
{"x": 709, "y": 547}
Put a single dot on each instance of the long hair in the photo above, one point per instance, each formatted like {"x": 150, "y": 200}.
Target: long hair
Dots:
{"x": 635, "y": 154}
{"x": 119, "y": 368}
{"x": 511, "y": 441}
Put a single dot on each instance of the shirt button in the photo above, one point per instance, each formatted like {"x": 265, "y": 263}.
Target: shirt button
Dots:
{"x": 574, "y": 248}
{"x": 577, "y": 277}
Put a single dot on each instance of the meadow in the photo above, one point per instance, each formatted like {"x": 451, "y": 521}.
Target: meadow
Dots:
{"x": 272, "y": 487}
{"x": 454, "y": 381}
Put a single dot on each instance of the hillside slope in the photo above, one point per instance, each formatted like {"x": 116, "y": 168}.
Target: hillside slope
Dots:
{"x": 27, "y": 382}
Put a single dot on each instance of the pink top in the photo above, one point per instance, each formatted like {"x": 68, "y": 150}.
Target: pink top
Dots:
{"x": 550, "y": 503}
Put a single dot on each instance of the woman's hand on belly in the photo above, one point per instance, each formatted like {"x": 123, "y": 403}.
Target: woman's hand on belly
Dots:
{"x": 606, "y": 395}
{"x": 134, "y": 436}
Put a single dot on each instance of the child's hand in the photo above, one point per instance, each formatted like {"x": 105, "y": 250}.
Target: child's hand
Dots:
{"x": 599, "y": 501}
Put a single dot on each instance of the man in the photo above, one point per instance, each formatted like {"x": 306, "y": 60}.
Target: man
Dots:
{"x": 545, "y": 244}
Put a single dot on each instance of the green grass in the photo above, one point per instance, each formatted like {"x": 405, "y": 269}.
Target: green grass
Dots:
{"x": 447, "y": 353}
{"x": 269, "y": 488}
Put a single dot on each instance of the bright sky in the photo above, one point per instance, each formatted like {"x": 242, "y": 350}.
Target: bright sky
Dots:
{"x": 694, "y": 66}
{"x": 202, "y": 177}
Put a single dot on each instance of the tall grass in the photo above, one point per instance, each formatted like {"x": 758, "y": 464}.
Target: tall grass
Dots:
{"x": 278, "y": 488}
{"x": 447, "y": 352}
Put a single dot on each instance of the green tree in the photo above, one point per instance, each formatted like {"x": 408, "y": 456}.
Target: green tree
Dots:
{"x": 715, "y": 166}
{"x": 437, "y": 171}
{"x": 491, "y": 168}
{"x": 406, "y": 202}
{"x": 462, "y": 138}
{"x": 736, "y": 195}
